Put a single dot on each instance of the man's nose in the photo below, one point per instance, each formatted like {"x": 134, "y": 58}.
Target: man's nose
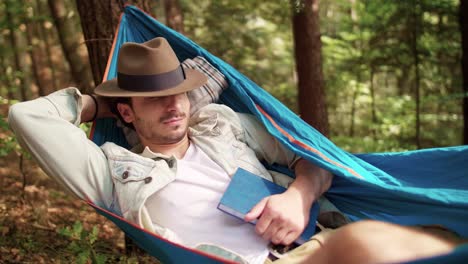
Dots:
{"x": 172, "y": 101}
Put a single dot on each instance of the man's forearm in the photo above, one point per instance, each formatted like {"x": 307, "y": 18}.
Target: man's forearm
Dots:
{"x": 43, "y": 127}
{"x": 311, "y": 181}
{"x": 283, "y": 217}
{"x": 89, "y": 108}
{"x": 93, "y": 109}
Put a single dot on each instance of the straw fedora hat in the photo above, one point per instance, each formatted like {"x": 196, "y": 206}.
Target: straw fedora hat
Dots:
{"x": 150, "y": 69}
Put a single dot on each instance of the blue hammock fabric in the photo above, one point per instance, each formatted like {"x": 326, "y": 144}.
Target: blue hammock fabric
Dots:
{"x": 410, "y": 188}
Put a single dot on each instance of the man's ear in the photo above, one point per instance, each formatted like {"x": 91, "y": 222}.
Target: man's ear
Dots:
{"x": 126, "y": 112}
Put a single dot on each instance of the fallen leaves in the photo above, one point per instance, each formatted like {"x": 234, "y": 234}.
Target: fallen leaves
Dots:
{"x": 4, "y": 230}
{"x": 31, "y": 217}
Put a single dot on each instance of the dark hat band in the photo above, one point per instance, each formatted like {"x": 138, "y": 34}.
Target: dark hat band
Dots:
{"x": 151, "y": 83}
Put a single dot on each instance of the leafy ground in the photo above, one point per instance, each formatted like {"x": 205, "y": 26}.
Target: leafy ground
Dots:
{"x": 39, "y": 223}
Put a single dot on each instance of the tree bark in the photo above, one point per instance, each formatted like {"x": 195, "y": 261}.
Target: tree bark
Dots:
{"x": 174, "y": 15}
{"x": 307, "y": 46}
{"x": 6, "y": 80}
{"x": 69, "y": 42}
{"x": 99, "y": 20}
{"x": 417, "y": 79}
{"x": 14, "y": 45}
{"x": 47, "y": 45}
{"x": 403, "y": 80}
{"x": 357, "y": 46}
{"x": 464, "y": 63}
{"x": 373, "y": 107}
{"x": 353, "y": 111}
{"x": 35, "y": 67}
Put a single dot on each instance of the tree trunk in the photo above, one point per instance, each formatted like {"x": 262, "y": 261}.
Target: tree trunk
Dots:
{"x": 6, "y": 80}
{"x": 35, "y": 67}
{"x": 307, "y": 46}
{"x": 373, "y": 107}
{"x": 358, "y": 46}
{"x": 403, "y": 80}
{"x": 70, "y": 43}
{"x": 174, "y": 15}
{"x": 417, "y": 79}
{"x": 18, "y": 68}
{"x": 47, "y": 45}
{"x": 99, "y": 20}
{"x": 464, "y": 62}
{"x": 353, "y": 111}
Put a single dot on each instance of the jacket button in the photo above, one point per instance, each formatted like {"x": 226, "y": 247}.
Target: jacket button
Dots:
{"x": 125, "y": 175}
{"x": 148, "y": 180}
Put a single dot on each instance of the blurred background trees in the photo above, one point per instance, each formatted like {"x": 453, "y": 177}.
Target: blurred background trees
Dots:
{"x": 464, "y": 32}
{"x": 372, "y": 75}
{"x": 378, "y": 75}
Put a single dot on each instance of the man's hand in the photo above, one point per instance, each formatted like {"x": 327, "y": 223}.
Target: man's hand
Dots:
{"x": 282, "y": 218}
{"x": 90, "y": 108}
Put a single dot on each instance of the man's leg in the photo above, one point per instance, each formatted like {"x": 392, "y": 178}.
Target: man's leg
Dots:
{"x": 372, "y": 242}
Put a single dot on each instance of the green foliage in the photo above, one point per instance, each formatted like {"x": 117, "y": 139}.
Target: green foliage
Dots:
{"x": 86, "y": 247}
{"x": 368, "y": 61}
{"x": 255, "y": 37}
{"x": 8, "y": 143}
{"x": 86, "y": 127}
{"x": 370, "y": 39}
{"x": 373, "y": 47}
{"x": 83, "y": 244}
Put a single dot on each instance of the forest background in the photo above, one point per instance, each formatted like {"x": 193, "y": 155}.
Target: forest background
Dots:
{"x": 371, "y": 75}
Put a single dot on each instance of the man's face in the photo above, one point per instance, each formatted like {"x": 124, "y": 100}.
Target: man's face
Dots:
{"x": 158, "y": 120}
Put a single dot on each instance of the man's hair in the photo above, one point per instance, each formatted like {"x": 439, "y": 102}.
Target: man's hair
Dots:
{"x": 113, "y": 107}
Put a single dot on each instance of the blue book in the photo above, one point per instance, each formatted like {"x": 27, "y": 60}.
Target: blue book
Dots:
{"x": 247, "y": 189}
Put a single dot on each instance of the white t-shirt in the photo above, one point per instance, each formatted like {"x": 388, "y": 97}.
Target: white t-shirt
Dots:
{"x": 187, "y": 206}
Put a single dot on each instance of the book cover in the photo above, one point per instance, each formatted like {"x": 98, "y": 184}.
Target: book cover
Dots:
{"x": 247, "y": 189}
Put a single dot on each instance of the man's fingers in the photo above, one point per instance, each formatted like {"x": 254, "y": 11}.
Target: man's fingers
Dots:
{"x": 263, "y": 224}
{"x": 289, "y": 238}
{"x": 271, "y": 230}
{"x": 256, "y": 211}
{"x": 279, "y": 236}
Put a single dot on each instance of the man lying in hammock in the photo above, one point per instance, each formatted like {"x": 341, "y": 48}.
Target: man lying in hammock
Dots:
{"x": 172, "y": 181}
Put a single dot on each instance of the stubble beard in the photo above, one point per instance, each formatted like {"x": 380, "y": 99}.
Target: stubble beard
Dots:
{"x": 171, "y": 138}
{"x": 149, "y": 131}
